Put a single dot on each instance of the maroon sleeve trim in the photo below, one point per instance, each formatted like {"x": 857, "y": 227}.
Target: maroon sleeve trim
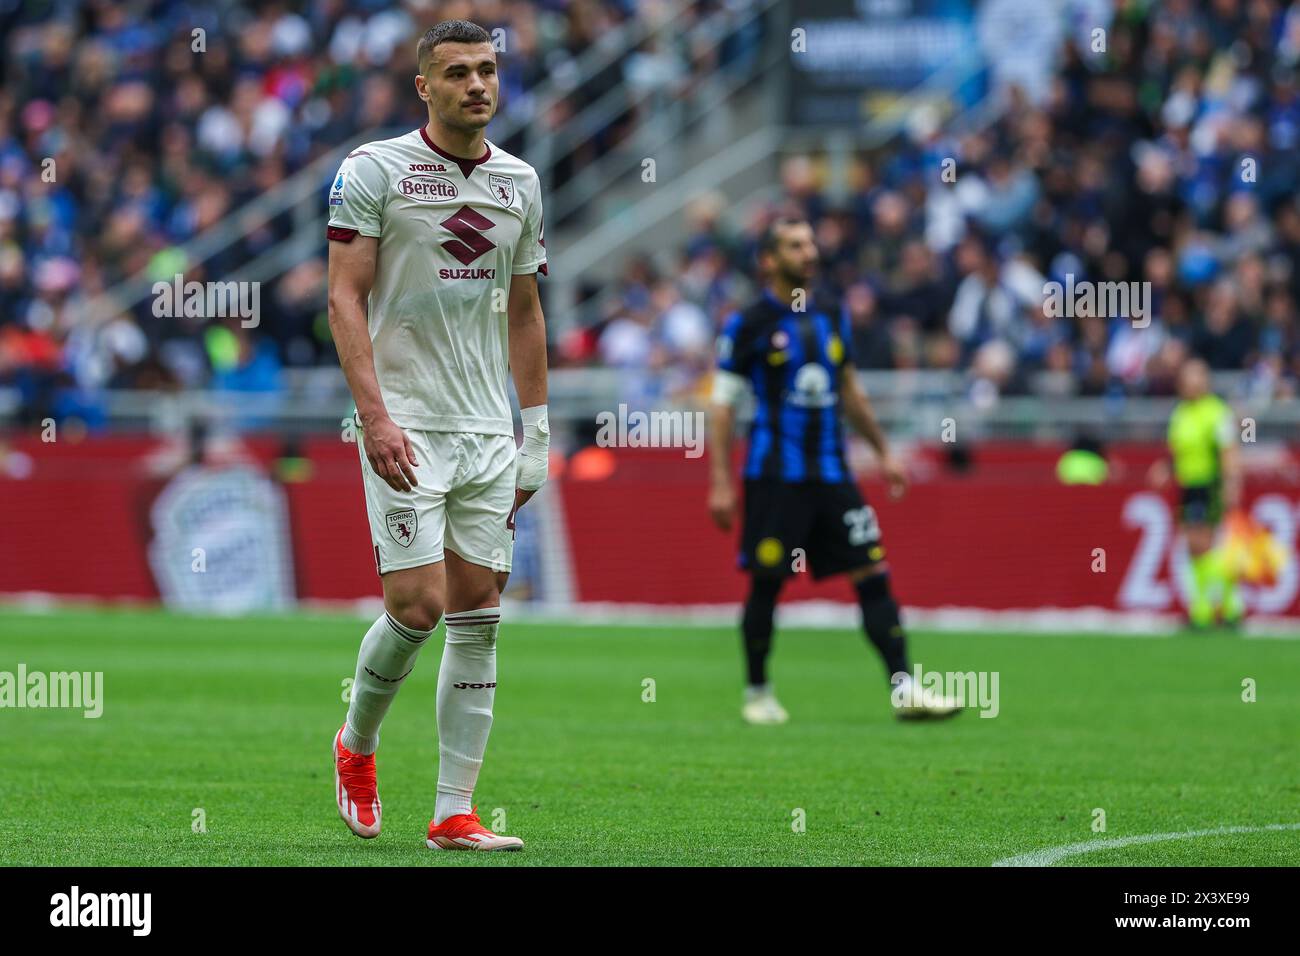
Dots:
{"x": 339, "y": 234}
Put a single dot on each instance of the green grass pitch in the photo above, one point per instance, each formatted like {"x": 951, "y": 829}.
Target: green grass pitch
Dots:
{"x": 235, "y": 717}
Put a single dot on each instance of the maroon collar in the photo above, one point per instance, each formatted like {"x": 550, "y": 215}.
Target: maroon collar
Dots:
{"x": 466, "y": 165}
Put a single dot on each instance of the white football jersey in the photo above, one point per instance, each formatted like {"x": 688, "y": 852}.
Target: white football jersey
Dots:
{"x": 451, "y": 233}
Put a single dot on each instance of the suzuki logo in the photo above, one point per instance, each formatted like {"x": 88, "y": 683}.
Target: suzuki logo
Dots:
{"x": 468, "y": 227}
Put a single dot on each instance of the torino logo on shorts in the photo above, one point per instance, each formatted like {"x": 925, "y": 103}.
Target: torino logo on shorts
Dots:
{"x": 402, "y": 526}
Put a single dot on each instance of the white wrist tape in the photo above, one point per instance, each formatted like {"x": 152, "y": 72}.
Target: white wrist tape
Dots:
{"x": 534, "y": 454}
{"x": 532, "y": 416}
{"x": 728, "y": 387}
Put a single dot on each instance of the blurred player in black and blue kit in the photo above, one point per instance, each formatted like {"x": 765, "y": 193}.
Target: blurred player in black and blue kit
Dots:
{"x": 793, "y": 353}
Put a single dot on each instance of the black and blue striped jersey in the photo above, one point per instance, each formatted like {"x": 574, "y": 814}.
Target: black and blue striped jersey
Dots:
{"x": 793, "y": 360}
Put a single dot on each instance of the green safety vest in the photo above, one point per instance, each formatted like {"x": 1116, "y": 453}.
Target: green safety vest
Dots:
{"x": 1198, "y": 429}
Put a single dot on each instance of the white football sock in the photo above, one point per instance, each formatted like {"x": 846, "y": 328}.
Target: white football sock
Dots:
{"x": 387, "y": 656}
{"x": 467, "y": 684}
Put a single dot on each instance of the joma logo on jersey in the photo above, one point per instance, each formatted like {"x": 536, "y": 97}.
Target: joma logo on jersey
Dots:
{"x": 466, "y": 685}
{"x": 428, "y": 168}
{"x": 467, "y": 273}
{"x": 427, "y": 188}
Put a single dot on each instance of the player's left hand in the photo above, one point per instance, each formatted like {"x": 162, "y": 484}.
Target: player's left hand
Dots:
{"x": 533, "y": 456}
{"x": 895, "y": 474}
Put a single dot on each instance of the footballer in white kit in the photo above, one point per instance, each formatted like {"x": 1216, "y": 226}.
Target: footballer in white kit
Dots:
{"x": 452, "y": 234}
{"x": 436, "y": 239}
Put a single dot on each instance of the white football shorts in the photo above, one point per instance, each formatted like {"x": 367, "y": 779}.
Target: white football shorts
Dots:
{"x": 463, "y": 502}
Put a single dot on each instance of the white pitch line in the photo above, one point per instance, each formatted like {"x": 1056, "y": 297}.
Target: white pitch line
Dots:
{"x": 1052, "y": 855}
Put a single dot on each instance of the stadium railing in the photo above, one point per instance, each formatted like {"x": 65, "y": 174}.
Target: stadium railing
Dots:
{"x": 916, "y": 405}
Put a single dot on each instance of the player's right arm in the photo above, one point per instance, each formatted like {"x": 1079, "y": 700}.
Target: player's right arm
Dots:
{"x": 356, "y": 221}
{"x": 729, "y": 385}
{"x": 722, "y": 492}
{"x": 351, "y": 274}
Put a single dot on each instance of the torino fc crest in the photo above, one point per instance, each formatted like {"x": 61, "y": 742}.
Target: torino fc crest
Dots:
{"x": 503, "y": 189}
{"x": 401, "y": 526}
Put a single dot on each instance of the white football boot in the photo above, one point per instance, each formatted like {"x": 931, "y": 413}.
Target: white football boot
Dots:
{"x": 913, "y": 702}
{"x": 762, "y": 707}
{"x": 465, "y": 831}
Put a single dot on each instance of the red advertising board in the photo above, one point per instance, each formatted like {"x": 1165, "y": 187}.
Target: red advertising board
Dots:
{"x": 106, "y": 518}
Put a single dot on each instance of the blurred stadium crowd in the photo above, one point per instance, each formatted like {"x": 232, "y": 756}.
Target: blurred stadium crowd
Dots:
{"x": 1169, "y": 158}
{"x": 127, "y": 129}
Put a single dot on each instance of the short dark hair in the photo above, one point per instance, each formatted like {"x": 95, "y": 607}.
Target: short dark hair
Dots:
{"x": 448, "y": 31}
{"x": 770, "y": 237}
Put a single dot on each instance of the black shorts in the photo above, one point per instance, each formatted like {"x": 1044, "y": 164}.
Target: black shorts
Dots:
{"x": 793, "y": 526}
{"x": 1200, "y": 504}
